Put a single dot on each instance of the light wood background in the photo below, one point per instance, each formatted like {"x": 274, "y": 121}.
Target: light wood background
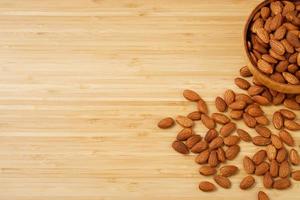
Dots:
{"x": 84, "y": 82}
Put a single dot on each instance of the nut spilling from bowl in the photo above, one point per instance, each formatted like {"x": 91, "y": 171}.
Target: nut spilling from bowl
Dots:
{"x": 273, "y": 41}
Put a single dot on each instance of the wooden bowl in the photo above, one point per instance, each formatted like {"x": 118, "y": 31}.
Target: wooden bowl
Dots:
{"x": 261, "y": 77}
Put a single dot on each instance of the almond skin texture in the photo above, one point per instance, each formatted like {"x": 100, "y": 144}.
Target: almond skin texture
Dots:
{"x": 208, "y": 122}
{"x": 261, "y": 141}
{"x": 206, "y": 186}
{"x": 274, "y": 168}
{"x": 271, "y": 152}
{"x": 262, "y": 196}
{"x": 184, "y": 134}
{"x": 259, "y": 157}
{"x": 242, "y": 83}
{"x": 255, "y": 90}
{"x": 222, "y": 181}
{"x": 194, "y": 116}
{"x": 290, "y": 78}
{"x": 291, "y": 125}
{"x": 286, "y": 138}
{"x": 262, "y": 120}
{"x": 216, "y": 143}
{"x": 277, "y": 120}
{"x": 191, "y": 95}
{"x": 238, "y": 105}
{"x": 291, "y": 104}
{"x": 207, "y": 170}
{"x": 249, "y": 120}
{"x": 294, "y": 157}
{"x": 166, "y": 123}
{"x": 244, "y": 135}
{"x": 248, "y": 165}
{"x": 199, "y": 147}
{"x": 202, "y": 107}
{"x": 194, "y": 139}
{"x": 228, "y": 170}
{"x": 264, "y": 66}
{"x": 247, "y": 182}
{"x": 221, "y": 155}
{"x": 262, "y": 168}
{"x": 227, "y": 129}
{"x": 180, "y": 147}
{"x": 236, "y": 114}
{"x": 282, "y": 184}
{"x": 268, "y": 180}
{"x": 220, "y": 118}
{"x": 276, "y": 141}
{"x": 202, "y": 157}
{"x": 284, "y": 169}
{"x": 220, "y": 104}
{"x": 296, "y": 175}
{"x": 210, "y": 135}
{"x": 184, "y": 121}
{"x": 263, "y": 35}
{"x": 261, "y": 100}
{"x": 281, "y": 155}
{"x": 229, "y": 97}
{"x": 245, "y": 72}
{"x": 263, "y": 131}
{"x": 288, "y": 114}
{"x": 232, "y": 152}
{"x": 255, "y": 111}
{"x": 231, "y": 140}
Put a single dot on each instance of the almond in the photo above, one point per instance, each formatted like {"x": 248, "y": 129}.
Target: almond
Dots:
{"x": 286, "y": 137}
{"x": 194, "y": 115}
{"x": 180, "y": 147}
{"x": 284, "y": 169}
{"x": 288, "y": 47}
{"x": 249, "y": 120}
{"x": 276, "y": 55}
{"x": 280, "y": 33}
{"x": 262, "y": 168}
{"x": 289, "y": 6}
{"x": 221, "y": 155}
{"x": 261, "y": 100}
{"x": 184, "y": 134}
{"x": 184, "y": 121}
{"x": 262, "y": 196}
{"x": 282, "y": 184}
{"x": 296, "y": 175}
{"x": 293, "y": 39}
{"x": 202, "y": 157}
{"x": 243, "y": 97}
{"x": 276, "y": 7}
{"x": 276, "y": 141}
{"x": 294, "y": 157}
{"x": 213, "y": 159}
{"x": 277, "y": 120}
{"x": 228, "y": 170}
{"x": 202, "y": 107}
{"x": 207, "y": 170}
{"x": 263, "y": 35}
{"x": 222, "y": 181}
{"x": 281, "y": 155}
{"x": 291, "y": 104}
{"x": 208, "y": 122}
{"x": 274, "y": 168}
{"x": 199, "y": 147}
{"x": 255, "y": 111}
{"x": 166, "y": 123}
{"x": 206, "y": 186}
{"x": 220, "y": 104}
{"x": 242, "y": 83}
{"x": 271, "y": 152}
{"x": 255, "y": 90}
{"x": 244, "y": 135}
{"x": 269, "y": 59}
{"x": 258, "y": 23}
{"x": 263, "y": 131}
{"x": 229, "y": 97}
{"x": 227, "y": 129}
{"x": 238, "y": 105}
{"x": 288, "y": 114}
{"x": 231, "y": 140}
{"x": 291, "y": 125}
{"x": 268, "y": 180}
{"x": 259, "y": 157}
{"x": 264, "y": 66}
{"x": 247, "y": 182}
{"x": 236, "y": 114}
{"x": 216, "y": 143}
{"x": 290, "y": 78}
{"x": 220, "y": 118}
{"x": 279, "y": 98}
{"x": 277, "y": 47}
{"x": 191, "y": 95}
{"x": 245, "y": 72}
{"x": 262, "y": 120}
{"x": 191, "y": 141}
{"x": 276, "y": 22}
{"x": 232, "y": 152}
{"x": 210, "y": 135}
{"x": 265, "y": 12}
{"x": 248, "y": 165}
{"x": 261, "y": 141}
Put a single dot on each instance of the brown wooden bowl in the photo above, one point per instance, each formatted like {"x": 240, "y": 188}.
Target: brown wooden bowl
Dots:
{"x": 262, "y": 78}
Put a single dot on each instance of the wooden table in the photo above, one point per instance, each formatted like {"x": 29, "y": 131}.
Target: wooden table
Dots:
{"x": 84, "y": 82}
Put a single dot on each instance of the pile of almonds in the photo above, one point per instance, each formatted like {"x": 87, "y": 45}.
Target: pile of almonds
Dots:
{"x": 273, "y": 162}
{"x": 273, "y": 41}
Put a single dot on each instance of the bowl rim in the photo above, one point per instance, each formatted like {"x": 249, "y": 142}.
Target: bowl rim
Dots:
{"x": 280, "y": 87}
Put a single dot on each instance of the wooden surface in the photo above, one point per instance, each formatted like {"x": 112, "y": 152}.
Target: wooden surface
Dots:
{"x": 84, "y": 82}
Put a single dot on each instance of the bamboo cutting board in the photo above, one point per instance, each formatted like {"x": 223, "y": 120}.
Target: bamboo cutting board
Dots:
{"x": 84, "y": 82}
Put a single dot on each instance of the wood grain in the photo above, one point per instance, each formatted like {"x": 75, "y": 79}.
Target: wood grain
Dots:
{"x": 84, "y": 82}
